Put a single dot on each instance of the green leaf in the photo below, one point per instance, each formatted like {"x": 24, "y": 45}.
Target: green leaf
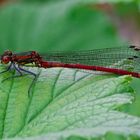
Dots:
{"x": 65, "y": 103}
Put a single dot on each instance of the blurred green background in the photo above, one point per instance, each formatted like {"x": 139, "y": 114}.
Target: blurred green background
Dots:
{"x": 50, "y": 25}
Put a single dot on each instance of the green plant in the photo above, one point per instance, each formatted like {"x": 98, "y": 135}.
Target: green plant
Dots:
{"x": 65, "y": 103}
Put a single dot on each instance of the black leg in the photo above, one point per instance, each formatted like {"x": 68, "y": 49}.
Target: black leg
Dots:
{"x": 14, "y": 76}
{"x": 8, "y": 68}
{"x": 33, "y": 81}
{"x": 19, "y": 69}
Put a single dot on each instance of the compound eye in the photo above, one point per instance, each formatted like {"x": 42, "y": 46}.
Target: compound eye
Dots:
{"x": 5, "y": 59}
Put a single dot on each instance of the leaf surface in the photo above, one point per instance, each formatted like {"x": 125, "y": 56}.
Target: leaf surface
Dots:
{"x": 65, "y": 102}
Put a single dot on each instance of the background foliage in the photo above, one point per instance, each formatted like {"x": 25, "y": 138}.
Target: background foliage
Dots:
{"x": 71, "y": 25}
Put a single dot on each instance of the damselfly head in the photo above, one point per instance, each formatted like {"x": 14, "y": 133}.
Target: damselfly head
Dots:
{"x": 6, "y": 57}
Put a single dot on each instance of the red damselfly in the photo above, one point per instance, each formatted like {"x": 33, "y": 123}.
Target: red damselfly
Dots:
{"x": 121, "y": 61}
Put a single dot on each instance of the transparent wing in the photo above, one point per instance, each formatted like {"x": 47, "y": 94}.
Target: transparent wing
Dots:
{"x": 126, "y": 58}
